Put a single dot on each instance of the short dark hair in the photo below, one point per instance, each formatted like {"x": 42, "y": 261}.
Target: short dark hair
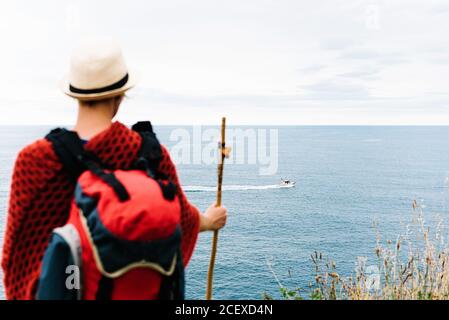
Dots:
{"x": 94, "y": 103}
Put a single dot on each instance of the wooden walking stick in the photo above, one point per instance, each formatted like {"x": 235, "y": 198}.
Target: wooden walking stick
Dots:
{"x": 224, "y": 153}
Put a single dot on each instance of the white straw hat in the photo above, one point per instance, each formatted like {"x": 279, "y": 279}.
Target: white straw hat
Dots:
{"x": 98, "y": 71}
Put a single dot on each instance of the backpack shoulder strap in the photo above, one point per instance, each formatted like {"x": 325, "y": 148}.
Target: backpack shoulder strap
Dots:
{"x": 150, "y": 156}
{"x": 150, "y": 150}
{"x": 69, "y": 149}
{"x": 75, "y": 160}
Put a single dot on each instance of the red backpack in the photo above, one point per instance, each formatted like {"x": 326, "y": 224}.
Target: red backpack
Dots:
{"x": 123, "y": 237}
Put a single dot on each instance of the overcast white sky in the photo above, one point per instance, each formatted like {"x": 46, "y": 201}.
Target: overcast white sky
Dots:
{"x": 257, "y": 62}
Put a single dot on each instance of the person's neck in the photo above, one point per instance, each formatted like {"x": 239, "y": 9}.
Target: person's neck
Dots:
{"x": 92, "y": 121}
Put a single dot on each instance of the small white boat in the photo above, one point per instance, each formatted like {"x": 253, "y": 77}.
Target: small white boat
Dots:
{"x": 287, "y": 183}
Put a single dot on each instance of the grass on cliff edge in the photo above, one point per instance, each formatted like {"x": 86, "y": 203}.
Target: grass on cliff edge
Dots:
{"x": 414, "y": 267}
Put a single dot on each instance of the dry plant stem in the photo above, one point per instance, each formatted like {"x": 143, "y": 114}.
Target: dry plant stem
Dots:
{"x": 414, "y": 267}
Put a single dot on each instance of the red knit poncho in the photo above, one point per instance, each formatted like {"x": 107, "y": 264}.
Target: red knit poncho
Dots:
{"x": 40, "y": 198}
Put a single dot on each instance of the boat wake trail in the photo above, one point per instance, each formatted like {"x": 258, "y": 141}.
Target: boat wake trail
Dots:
{"x": 234, "y": 188}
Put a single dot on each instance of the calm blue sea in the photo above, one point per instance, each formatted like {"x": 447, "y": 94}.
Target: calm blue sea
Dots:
{"x": 347, "y": 177}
